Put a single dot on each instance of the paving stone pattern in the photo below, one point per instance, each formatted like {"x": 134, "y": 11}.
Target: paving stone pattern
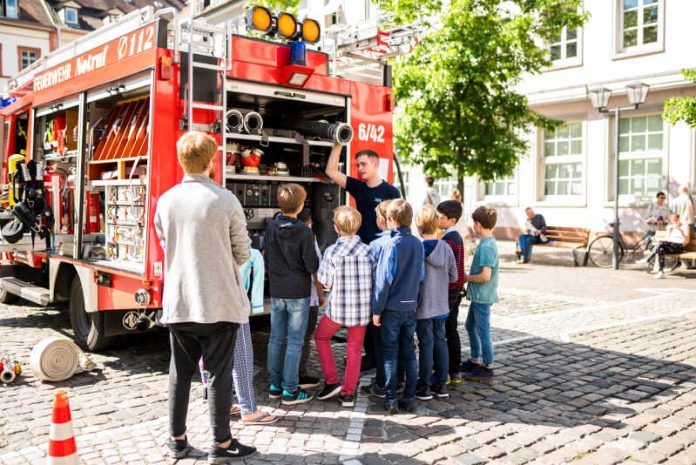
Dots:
{"x": 579, "y": 380}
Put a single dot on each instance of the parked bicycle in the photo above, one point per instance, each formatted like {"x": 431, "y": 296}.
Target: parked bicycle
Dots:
{"x": 601, "y": 251}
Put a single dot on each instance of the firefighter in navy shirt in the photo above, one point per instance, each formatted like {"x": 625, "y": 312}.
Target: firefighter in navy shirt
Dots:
{"x": 367, "y": 193}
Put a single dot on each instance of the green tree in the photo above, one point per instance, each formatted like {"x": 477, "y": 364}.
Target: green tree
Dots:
{"x": 682, "y": 108}
{"x": 457, "y": 107}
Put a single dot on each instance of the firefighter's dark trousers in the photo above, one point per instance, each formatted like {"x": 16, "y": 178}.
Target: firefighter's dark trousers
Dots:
{"x": 215, "y": 342}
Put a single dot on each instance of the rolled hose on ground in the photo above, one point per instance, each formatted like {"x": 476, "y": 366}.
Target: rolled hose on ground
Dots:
{"x": 57, "y": 359}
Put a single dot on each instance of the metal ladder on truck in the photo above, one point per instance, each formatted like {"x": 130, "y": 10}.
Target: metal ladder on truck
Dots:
{"x": 202, "y": 40}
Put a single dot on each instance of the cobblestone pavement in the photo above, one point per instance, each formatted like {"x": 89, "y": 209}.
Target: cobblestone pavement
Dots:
{"x": 587, "y": 373}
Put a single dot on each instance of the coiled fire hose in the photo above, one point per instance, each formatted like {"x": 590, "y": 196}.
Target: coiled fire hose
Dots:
{"x": 57, "y": 359}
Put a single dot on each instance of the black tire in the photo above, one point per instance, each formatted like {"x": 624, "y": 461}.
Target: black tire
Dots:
{"x": 87, "y": 327}
{"x": 13, "y": 231}
{"x": 7, "y": 298}
{"x": 601, "y": 251}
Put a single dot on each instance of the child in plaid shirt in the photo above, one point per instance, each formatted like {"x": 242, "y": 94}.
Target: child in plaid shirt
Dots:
{"x": 346, "y": 270}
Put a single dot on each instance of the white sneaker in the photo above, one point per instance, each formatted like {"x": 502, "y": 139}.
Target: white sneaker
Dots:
{"x": 642, "y": 261}
{"x": 660, "y": 275}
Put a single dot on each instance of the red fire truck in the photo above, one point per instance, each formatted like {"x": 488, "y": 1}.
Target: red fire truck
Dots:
{"x": 88, "y": 147}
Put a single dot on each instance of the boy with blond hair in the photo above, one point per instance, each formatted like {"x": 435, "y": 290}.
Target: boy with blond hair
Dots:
{"x": 202, "y": 230}
{"x": 346, "y": 270}
{"x": 433, "y": 307}
{"x": 400, "y": 270}
{"x": 291, "y": 260}
{"x": 482, "y": 292}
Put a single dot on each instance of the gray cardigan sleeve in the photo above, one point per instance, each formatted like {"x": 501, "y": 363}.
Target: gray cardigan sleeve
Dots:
{"x": 239, "y": 237}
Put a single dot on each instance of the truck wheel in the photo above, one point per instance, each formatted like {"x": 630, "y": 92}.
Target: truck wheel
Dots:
{"x": 6, "y": 297}
{"x": 88, "y": 327}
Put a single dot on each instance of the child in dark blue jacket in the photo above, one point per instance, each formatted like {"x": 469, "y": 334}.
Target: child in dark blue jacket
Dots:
{"x": 400, "y": 270}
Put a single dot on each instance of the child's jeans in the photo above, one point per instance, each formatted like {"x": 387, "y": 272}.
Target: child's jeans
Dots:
{"x": 311, "y": 326}
{"x": 454, "y": 345}
{"x": 288, "y": 319}
{"x": 326, "y": 329}
{"x": 478, "y": 326}
{"x": 432, "y": 350}
{"x": 397, "y": 330}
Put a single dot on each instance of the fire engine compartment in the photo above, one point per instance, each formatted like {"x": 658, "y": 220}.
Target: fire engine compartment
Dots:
{"x": 116, "y": 140}
{"x": 287, "y": 157}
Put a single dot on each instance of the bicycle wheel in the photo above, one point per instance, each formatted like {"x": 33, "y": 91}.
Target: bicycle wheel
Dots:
{"x": 671, "y": 263}
{"x": 601, "y": 251}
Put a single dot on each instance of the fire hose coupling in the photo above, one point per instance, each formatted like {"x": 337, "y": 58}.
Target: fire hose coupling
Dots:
{"x": 9, "y": 370}
{"x": 340, "y": 133}
{"x": 243, "y": 120}
{"x": 253, "y": 123}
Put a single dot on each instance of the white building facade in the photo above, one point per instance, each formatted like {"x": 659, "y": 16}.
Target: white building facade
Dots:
{"x": 568, "y": 175}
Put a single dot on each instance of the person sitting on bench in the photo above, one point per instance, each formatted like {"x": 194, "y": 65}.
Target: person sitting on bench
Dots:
{"x": 677, "y": 237}
{"x": 535, "y": 234}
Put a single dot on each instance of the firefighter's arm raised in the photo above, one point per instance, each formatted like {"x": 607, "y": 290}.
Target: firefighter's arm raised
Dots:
{"x": 332, "y": 170}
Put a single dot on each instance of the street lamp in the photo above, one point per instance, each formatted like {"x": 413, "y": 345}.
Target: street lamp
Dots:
{"x": 599, "y": 96}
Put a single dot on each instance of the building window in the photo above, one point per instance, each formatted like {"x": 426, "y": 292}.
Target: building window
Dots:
{"x": 444, "y": 187}
{"x": 565, "y": 45}
{"x": 562, "y": 159}
{"x": 406, "y": 175}
{"x": 641, "y": 142}
{"x": 500, "y": 187}
{"x": 640, "y": 22}
{"x": 71, "y": 16}
{"x": 9, "y": 8}
{"x": 27, "y": 56}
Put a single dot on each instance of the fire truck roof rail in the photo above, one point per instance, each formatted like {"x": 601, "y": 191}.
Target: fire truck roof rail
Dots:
{"x": 104, "y": 34}
{"x": 359, "y": 51}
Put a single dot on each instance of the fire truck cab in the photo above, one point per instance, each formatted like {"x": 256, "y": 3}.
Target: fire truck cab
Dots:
{"x": 88, "y": 147}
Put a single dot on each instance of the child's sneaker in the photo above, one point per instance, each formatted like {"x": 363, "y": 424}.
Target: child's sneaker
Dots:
{"x": 481, "y": 374}
{"x": 308, "y": 382}
{"x": 235, "y": 450}
{"x": 407, "y": 406}
{"x": 391, "y": 409}
{"x": 374, "y": 391}
{"x": 347, "y": 400}
{"x": 439, "y": 391}
{"x": 274, "y": 392}
{"x": 455, "y": 378}
{"x": 468, "y": 366}
{"x": 178, "y": 448}
{"x": 329, "y": 391}
{"x": 423, "y": 394}
{"x": 298, "y": 397}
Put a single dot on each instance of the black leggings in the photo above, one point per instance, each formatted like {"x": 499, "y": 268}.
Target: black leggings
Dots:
{"x": 664, "y": 248}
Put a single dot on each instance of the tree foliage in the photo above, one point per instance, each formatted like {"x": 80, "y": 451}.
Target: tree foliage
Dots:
{"x": 286, "y": 5}
{"x": 457, "y": 107}
{"x": 682, "y": 108}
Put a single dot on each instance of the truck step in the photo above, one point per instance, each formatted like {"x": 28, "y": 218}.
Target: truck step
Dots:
{"x": 28, "y": 291}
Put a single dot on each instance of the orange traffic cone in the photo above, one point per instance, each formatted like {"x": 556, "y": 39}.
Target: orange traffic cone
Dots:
{"x": 62, "y": 449}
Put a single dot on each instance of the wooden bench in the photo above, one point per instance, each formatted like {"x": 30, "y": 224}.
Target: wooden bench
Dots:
{"x": 568, "y": 238}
